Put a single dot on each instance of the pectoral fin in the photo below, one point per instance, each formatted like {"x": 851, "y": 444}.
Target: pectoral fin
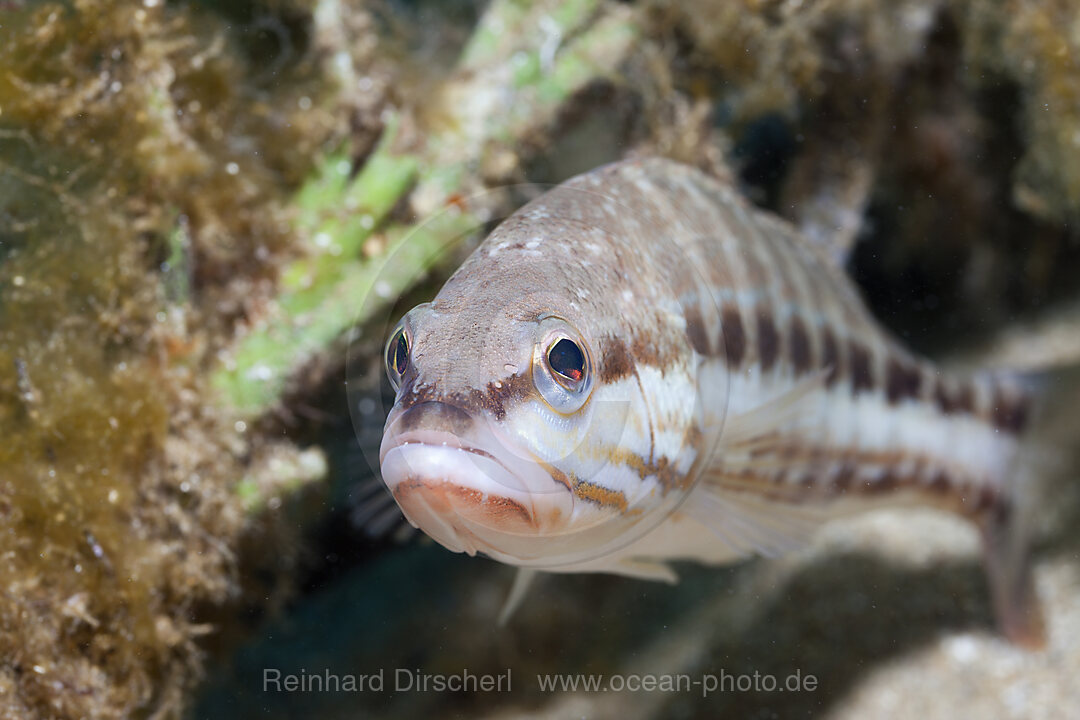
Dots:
{"x": 751, "y": 525}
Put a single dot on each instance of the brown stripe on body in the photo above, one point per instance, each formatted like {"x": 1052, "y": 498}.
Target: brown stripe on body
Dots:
{"x": 1011, "y": 409}
{"x": 803, "y": 298}
{"x": 992, "y": 400}
{"x": 831, "y": 359}
{"x": 733, "y": 334}
{"x": 848, "y": 474}
{"x": 799, "y": 346}
{"x": 860, "y": 367}
{"x": 696, "y": 332}
{"x": 844, "y": 338}
{"x": 945, "y": 395}
{"x": 768, "y": 339}
{"x": 740, "y": 273}
{"x": 615, "y": 361}
{"x": 903, "y": 379}
{"x": 762, "y": 248}
{"x": 807, "y": 315}
{"x": 762, "y": 278}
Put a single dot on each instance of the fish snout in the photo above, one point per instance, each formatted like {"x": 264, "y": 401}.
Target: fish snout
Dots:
{"x": 459, "y": 480}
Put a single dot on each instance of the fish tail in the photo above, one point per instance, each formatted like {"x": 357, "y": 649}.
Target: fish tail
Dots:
{"x": 1009, "y": 529}
{"x": 1007, "y": 556}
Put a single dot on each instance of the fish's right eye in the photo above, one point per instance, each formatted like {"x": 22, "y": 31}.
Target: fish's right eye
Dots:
{"x": 397, "y": 357}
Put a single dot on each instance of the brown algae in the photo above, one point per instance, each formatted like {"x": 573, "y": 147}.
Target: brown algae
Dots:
{"x": 143, "y": 156}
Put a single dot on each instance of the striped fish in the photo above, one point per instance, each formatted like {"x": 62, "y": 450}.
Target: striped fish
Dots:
{"x": 640, "y": 367}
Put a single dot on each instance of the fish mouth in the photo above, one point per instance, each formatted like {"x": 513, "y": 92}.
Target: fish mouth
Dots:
{"x": 456, "y": 478}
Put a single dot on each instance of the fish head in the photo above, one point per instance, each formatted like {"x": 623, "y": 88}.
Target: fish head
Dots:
{"x": 530, "y": 423}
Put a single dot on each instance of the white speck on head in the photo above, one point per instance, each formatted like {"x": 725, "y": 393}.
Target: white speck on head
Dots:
{"x": 511, "y": 368}
{"x": 594, "y": 248}
{"x": 534, "y": 243}
{"x": 582, "y": 293}
{"x": 628, "y": 296}
{"x": 498, "y": 383}
{"x": 501, "y": 246}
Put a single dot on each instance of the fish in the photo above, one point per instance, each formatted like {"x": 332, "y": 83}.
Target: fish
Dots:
{"x": 640, "y": 367}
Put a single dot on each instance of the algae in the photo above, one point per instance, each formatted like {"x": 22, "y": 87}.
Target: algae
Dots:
{"x": 143, "y": 156}
{"x": 1037, "y": 45}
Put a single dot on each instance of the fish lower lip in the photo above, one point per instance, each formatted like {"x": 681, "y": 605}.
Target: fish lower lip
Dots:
{"x": 448, "y": 492}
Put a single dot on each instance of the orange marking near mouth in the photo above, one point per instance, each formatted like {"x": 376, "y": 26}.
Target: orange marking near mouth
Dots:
{"x": 600, "y": 495}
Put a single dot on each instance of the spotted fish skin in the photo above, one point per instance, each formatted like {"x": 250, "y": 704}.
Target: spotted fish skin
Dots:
{"x": 738, "y": 387}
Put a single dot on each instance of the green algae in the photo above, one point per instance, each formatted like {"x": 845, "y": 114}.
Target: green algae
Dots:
{"x": 329, "y": 290}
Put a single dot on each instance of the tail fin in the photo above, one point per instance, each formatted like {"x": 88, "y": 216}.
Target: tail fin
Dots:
{"x": 1009, "y": 529}
{"x": 1012, "y": 586}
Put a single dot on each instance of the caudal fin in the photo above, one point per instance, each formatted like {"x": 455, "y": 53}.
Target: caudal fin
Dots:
{"x": 1009, "y": 528}
{"x": 1012, "y": 586}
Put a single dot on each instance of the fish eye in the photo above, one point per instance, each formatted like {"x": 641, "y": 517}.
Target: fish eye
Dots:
{"x": 567, "y": 362}
{"x": 397, "y": 356}
{"x": 562, "y": 366}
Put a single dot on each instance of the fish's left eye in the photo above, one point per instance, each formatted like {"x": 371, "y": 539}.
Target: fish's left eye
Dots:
{"x": 562, "y": 366}
{"x": 567, "y": 361}
{"x": 397, "y": 357}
